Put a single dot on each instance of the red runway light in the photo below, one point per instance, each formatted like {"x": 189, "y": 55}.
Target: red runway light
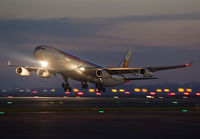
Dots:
{"x": 152, "y": 93}
{"x": 127, "y": 93}
{"x": 34, "y": 92}
{"x": 80, "y": 93}
{"x": 98, "y": 94}
{"x": 67, "y": 93}
{"x": 187, "y": 65}
{"x": 186, "y": 93}
{"x": 171, "y": 94}
{"x": 198, "y": 94}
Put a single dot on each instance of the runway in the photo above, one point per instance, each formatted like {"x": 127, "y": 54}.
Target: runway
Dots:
{"x": 91, "y": 118}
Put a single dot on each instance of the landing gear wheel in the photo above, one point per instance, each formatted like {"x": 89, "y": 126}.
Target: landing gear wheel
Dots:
{"x": 66, "y": 87}
{"x": 69, "y": 89}
{"x": 63, "y": 85}
{"x": 84, "y": 85}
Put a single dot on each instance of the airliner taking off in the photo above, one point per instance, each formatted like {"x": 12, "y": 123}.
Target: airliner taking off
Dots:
{"x": 68, "y": 65}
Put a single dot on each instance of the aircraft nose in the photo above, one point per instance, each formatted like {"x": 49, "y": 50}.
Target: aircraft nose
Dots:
{"x": 38, "y": 50}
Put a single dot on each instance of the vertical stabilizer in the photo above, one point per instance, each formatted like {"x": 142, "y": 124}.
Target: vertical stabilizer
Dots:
{"x": 125, "y": 61}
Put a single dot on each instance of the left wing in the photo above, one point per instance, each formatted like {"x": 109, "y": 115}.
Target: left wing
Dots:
{"x": 31, "y": 68}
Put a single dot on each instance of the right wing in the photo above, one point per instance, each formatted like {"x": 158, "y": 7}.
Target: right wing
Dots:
{"x": 114, "y": 71}
{"x": 119, "y": 71}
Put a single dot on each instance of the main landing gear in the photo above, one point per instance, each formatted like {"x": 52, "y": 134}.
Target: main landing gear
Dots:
{"x": 65, "y": 85}
{"x": 100, "y": 88}
{"x": 84, "y": 85}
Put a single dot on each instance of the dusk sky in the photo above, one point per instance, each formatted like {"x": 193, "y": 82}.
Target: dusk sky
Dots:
{"x": 159, "y": 33}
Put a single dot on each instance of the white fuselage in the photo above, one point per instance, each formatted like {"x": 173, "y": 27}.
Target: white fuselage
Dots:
{"x": 73, "y": 66}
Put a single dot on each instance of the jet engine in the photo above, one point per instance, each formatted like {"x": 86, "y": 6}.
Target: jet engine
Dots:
{"x": 145, "y": 73}
{"x": 102, "y": 73}
{"x": 43, "y": 73}
{"x": 22, "y": 71}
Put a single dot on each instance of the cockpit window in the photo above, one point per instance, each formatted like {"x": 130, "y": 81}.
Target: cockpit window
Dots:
{"x": 42, "y": 48}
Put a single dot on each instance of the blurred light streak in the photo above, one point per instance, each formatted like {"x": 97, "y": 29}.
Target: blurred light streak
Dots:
{"x": 34, "y": 92}
{"x": 152, "y": 93}
{"x": 137, "y": 90}
{"x": 181, "y": 89}
{"x": 98, "y": 94}
{"x": 186, "y": 93}
{"x": 114, "y": 90}
{"x": 158, "y": 90}
{"x": 184, "y": 110}
{"x": 166, "y": 90}
{"x": 198, "y": 94}
{"x": 189, "y": 90}
{"x": 171, "y": 94}
{"x": 121, "y": 90}
{"x": 127, "y": 93}
{"x": 149, "y": 96}
{"x": 75, "y": 90}
{"x": 67, "y": 93}
{"x": 91, "y": 90}
{"x": 144, "y": 90}
{"x": 80, "y": 93}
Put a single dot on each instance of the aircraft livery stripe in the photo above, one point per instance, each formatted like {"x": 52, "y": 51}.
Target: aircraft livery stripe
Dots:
{"x": 79, "y": 59}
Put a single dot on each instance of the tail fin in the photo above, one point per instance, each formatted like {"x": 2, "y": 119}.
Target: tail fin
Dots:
{"x": 125, "y": 61}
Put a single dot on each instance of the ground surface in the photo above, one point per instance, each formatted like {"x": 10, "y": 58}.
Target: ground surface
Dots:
{"x": 99, "y": 118}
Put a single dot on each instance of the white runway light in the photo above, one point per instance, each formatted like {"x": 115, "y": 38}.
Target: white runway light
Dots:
{"x": 44, "y": 63}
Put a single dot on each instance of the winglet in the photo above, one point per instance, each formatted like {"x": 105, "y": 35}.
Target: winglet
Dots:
{"x": 189, "y": 64}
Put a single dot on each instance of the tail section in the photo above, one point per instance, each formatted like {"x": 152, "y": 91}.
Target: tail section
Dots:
{"x": 125, "y": 61}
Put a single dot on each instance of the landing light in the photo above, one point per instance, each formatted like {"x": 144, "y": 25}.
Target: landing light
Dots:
{"x": 82, "y": 68}
{"x": 43, "y": 64}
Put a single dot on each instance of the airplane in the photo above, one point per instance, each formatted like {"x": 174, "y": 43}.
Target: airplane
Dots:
{"x": 54, "y": 61}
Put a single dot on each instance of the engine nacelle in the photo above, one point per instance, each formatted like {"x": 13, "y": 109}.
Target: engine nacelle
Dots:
{"x": 145, "y": 73}
{"x": 22, "y": 71}
{"x": 101, "y": 73}
{"x": 43, "y": 73}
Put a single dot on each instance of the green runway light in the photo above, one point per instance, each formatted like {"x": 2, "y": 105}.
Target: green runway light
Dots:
{"x": 117, "y": 102}
{"x": 184, "y": 110}
{"x": 101, "y": 111}
{"x": 9, "y": 102}
{"x": 1, "y": 112}
{"x": 174, "y": 102}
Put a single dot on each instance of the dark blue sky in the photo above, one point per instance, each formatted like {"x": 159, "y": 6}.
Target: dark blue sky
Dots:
{"x": 158, "y": 36}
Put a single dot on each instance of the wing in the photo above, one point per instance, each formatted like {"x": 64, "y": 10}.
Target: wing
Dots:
{"x": 118, "y": 71}
{"x": 30, "y": 68}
